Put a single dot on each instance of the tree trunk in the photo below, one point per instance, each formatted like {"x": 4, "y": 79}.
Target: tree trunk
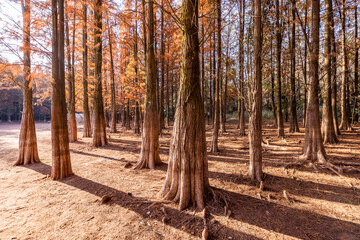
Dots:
{"x": 355, "y": 116}
{"x": 28, "y": 151}
{"x": 345, "y": 119}
{"x": 327, "y": 127}
{"x": 99, "y": 132}
{"x": 255, "y": 99}
{"x": 149, "y": 155}
{"x": 87, "y": 124}
{"x": 214, "y": 143}
{"x": 241, "y": 69}
{"x": 294, "y": 126}
{"x": 313, "y": 146}
{"x": 187, "y": 175}
{"x": 71, "y": 81}
{"x": 61, "y": 164}
{"x": 272, "y": 84}
{"x": 162, "y": 66}
{"x": 279, "y": 116}
{"x": 305, "y": 67}
{"x": 112, "y": 86}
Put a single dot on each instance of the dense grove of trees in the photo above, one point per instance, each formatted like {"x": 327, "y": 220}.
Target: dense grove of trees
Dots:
{"x": 155, "y": 64}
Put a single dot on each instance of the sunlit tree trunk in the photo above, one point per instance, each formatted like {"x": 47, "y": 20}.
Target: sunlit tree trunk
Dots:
{"x": 280, "y": 120}
{"x": 327, "y": 126}
{"x": 87, "y": 122}
{"x": 149, "y": 155}
{"x": 61, "y": 165}
{"x": 28, "y": 151}
{"x": 255, "y": 99}
{"x": 215, "y": 137}
{"x": 241, "y": 69}
{"x": 345, "y": 118}
{"x": 305, "y": 67}
{"x": 294, "y": 127}
{"x": 99, "y": 131}
{"x": 187, "y": 175}
{"x": 137, "y": 107}
{"x": 112, "y": 86}
{"x": 71, "y": 80}
{"x": 313, "y": 146}
{"x": 355, "y": 115}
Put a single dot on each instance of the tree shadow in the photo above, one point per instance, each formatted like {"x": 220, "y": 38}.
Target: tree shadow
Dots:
{"x": 296, "y": 187}
{"x": 289, "y": 221}
{"x": 181, "y": 220}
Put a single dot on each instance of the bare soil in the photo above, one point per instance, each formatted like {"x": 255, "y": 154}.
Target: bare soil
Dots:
{"x": 318, "y": 204}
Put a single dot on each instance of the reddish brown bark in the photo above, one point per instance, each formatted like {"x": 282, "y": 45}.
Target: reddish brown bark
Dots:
{"x": 149, "y": 155}
{"x": 187, "y": 175}
{"x": 28, "y": 151}
{"x": 61, "y": 165}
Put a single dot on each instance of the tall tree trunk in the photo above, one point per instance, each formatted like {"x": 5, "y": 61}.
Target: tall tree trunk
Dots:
{"x": 255, "y": 99}
{"x": 137, "y": 107}
{"x": 61, "y": 164}
{"x": 87, "y": 124}
{"x": 327, "y": 127}
{"x": 28, "y": 151}
{"x": 99, "y": 132}
{"x": 272, "y": 84}
{"x": 214, "y": 143}
{"x": 279, "y": 116}
{"x": 71, "y": 81}
{"x": 162, "y": 62}
{"x": 345, "y": 119}
{"x": 305, "y": 67}
{"x": 149, "y": 155}
{"x": 187, "y": 179}
{"x": 334, "y": 75}
{"x": 112, "y": 86}
{"x": 355, "y": 115}
{"x": 313, "y": 146}
{"x": 242, "y": 69}
{"x": 294, "y": 127}
{"x": 167, "y": 92}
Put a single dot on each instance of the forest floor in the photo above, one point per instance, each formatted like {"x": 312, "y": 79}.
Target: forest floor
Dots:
{"x": 319, "y": 204}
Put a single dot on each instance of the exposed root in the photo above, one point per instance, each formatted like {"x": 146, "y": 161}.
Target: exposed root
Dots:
{"x": 205, "y": 232}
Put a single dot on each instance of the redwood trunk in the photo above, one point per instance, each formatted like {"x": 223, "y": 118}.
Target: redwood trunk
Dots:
{"x": 87, "y": 122}
{"x": 313, "y": 146}
{"x": 112, "y": 87}
{"x": 99, "y": 131}
{"x": 255, "y": 137}
{"x": 28, "y": 151}
{"x": 187, "y": 175}
{"x": 149, "y": 155}
{"x": 327, "y": 127}
{"x": 214, "y": 143}
{"x": 61, "y": 165}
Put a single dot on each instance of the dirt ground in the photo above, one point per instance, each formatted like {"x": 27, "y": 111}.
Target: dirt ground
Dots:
{"x": 320, "y": 204}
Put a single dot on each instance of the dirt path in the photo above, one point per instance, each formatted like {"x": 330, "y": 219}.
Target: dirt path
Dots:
{"x": 322, "y": 205}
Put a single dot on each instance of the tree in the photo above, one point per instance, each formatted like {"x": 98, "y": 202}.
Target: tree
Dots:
{"x": 215, "y": 137}
{"x": 187, "y": 174}
{"x": 87, "y": 125}
{"x": 255, "y": 99}
{"x": 112, "y": 86}
{"x": 327, "y": 126}
{"x": 345, "y": 118}
{"x": 280, "y": 120}
{"x": 61, "y": 165}
{"x": 99, "y": 132}
{"x": 313, "y": 146}
{"x": 28, "y": 152}
{"x": 149, "y": 155}
{"x": 294, "y": 126}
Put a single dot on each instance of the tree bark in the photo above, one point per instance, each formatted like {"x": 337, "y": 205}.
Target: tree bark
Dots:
{"x": 241, "y": 69}
{"x": 99, "y": 131}
{"x": 87, "y": 124}
{"x": 112, "y": 86}
{"x": 305, "y": 66}
{"x": 279, "y": 116}
{"x": 214, "y": 143}
{"x": 187, "y": 175}
{"x": 313, "y": 146}
{"x": 345, "y": 119}
{"x": 255, "y": 99}
{"x": 355, "y": 115}
{"x": 149, "y": 155}
{"x": 327, "y": 127}
{"x": 294, "y": 126}
{"x": 28, "y": 151}
{"x": 71, "y": 81}
{"x": 61, "y": 165}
